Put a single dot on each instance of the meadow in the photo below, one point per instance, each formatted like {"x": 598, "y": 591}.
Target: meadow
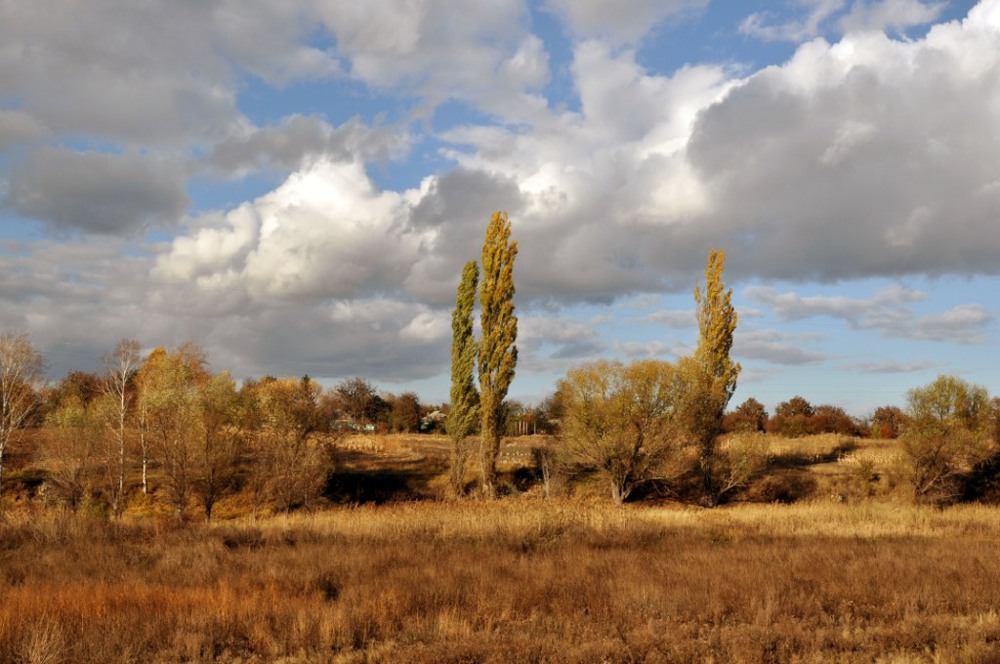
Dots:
{"x": 857, "y": 575}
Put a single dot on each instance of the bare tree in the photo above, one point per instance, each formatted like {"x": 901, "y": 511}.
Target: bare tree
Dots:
{"x": 121, "y": 367}
{"x": 22, "y": 371}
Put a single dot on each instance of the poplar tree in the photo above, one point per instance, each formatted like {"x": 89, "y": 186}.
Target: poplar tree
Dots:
{"x": 497, "y": 352}
{"x": 714, "y": 371}
{"x": 464, "y": 396}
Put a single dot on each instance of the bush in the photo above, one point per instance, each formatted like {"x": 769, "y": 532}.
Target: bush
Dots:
{"x": 781, "y": 487}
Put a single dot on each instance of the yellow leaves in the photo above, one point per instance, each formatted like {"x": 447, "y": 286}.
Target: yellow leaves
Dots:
{"x": 716, "y": 325}
{"x": 497, "y": 352}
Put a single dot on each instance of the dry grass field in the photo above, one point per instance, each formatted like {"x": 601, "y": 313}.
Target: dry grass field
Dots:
{"x": 521, "y": 579}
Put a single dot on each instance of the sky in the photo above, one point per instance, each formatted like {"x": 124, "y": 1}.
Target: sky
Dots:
{"x": 295, "y": 186}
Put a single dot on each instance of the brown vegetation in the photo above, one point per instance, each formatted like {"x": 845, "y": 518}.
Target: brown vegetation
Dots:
{"x": 526, "y": 580}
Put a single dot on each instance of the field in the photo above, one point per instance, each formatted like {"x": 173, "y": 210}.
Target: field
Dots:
{"x": 837, "y": 576}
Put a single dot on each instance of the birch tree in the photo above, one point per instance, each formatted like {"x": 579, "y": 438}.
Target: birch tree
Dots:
{"x": 22, "y": 371}
{"x": 497, "y": 352}
{"x": 464, "y": 396}
{"x": 120, "y": 370}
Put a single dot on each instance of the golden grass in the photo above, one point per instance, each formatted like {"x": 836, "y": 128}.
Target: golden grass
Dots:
{"x": 513, "y": 580}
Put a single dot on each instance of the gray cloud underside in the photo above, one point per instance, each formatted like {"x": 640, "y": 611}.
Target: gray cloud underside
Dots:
{"x": 96, "y": 192}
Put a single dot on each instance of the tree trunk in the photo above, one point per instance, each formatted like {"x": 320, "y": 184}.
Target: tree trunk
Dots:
{"x": 490, "y": 449}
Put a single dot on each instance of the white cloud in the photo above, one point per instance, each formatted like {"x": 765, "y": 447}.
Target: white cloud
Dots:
{"x": 621, "y": 21}
{"x": 298, "y": 139}
{"x": 650, "y": 349}
{"x": 866, "y": 157}
{"x": 891, "y": 367}
{"x": 806, "y": 27}
{"x": 966, "y": 323}
{"x": 483, "y": 56}
{"x": 891, "y": 15}
{"x": 791, "y": 306}
{"x": 672, "y": 318}
{"x": 822, "y": 16}
{"x": 324, "y": 233}
{"x": 555, "y": 342}
{"x": 776, "y": 347}
{"x": 887, "y": 311}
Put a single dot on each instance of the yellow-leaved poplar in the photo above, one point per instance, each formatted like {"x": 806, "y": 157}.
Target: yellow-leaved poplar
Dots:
{"x": 497, "y": 352}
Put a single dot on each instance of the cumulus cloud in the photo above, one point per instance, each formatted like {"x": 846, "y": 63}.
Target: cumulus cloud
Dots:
{"x": 324, "y": 233}
{"x": 300, "y": 138}
{"x": 487, "y": 57}
{"x": 869, "y": 156}
{"x": 97, "y": 192}
{"x": 831, "y": 166}
{"x": 166, "y": 72}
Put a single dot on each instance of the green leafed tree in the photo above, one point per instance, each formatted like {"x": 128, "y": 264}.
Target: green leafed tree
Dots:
{"x": 497, "y": 352}
{"x": 717, "y": 382}
{"x": 464, "y": 411}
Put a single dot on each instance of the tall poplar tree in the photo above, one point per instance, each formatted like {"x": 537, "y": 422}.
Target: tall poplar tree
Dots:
{"x": 714, "y": 371}
{"x": 497, "y": 352}
{"x": 464, "y": 396}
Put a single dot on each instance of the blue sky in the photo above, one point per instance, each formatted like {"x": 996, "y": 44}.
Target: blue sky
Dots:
{"x": 295, "y": 186}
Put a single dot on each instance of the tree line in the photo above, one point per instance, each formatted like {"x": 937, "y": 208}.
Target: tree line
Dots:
{"x": 636, "y": 425}
{"x": 206, "y": 436}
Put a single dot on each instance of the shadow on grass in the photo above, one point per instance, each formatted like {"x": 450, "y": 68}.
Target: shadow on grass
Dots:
{"x": 366, "y": 481}
{"x": 793, "y": 459}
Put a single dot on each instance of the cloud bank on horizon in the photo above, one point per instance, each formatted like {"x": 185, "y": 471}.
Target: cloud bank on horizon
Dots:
{"x": 297, "y": 185}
